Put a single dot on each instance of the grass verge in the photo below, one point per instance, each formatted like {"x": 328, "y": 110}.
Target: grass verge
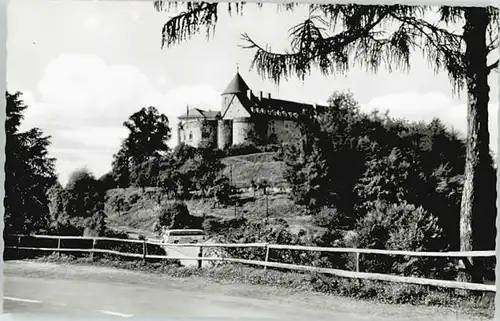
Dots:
{"x": 472, "y": 303}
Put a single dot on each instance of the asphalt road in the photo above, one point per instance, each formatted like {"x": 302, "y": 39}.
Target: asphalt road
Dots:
{"x": 83, "y": 291}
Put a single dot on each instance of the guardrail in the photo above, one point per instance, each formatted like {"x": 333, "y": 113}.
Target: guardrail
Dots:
{"x": 336, "y": 272}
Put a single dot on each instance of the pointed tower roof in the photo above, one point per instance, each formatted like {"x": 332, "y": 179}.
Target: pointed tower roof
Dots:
{"x": 236, "y": 86}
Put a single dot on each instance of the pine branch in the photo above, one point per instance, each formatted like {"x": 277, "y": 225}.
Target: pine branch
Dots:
{"x": 310, "y": 48}
{"x": 440, "y": 45}
{"x": 188, "y": 23}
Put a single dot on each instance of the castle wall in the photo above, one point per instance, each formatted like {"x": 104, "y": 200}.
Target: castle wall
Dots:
{"x": 290, "y": 130}
{"x": 224, "y": 134}
{"x": 242, "y": 127}
{"x": 283, "y": 130}
{"x": 191, "y": 132}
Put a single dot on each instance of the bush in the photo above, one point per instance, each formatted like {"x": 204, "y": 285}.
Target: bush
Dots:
{"x": 211, "y": 225}
{"x": 403, "y": 227}
{"x": 221, "y": 190}
{"x": 275, "y": 231}
{"x": 95, "y": 225}
{"x": 330, "y": 218}
{"x": 217, "y": 226}
{"x": 175, "y": 215}
{"x": 118, "y": 204}
{"x": 133, "y": 198}
{"x": 183, "y": 152}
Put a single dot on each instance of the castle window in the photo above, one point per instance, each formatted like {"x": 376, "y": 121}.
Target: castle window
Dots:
{"x": 190, "y": 135}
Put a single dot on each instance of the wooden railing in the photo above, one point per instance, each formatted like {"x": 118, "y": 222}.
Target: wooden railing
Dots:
{"x": 336, "y": 272}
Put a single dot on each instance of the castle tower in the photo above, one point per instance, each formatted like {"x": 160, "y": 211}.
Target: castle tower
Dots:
{"x": 226, "y": 131}
{"x": 235, "y": 87}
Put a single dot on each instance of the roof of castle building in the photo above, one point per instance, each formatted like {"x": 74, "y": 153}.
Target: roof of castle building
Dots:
{"x": 236, "y": 86}
{"x": 261, "y": 105}
{"x": 196, "y": 113}
{"x": 275, "y": 108}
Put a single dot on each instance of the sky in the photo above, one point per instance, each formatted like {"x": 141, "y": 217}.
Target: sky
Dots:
{"x": 85, "y": 66}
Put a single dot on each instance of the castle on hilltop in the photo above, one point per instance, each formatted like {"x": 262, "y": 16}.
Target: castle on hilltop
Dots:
{"x": 243, "y": 117}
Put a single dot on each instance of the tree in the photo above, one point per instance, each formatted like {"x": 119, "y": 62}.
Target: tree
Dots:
{"x": 59, "y": 218}
{"x": 95, "y": 226}
{"x": 202, "y": 170}
{"x": 342, "y": 131}
{"x": 29, "y": 172}
{"x": 306, "y": 167}
{"x": 400, "y": 226}
{"x": 169, "y": 179}
{"x": 221, "y": 190}
{"x": 146, "y": 174}
{"x": 108, "y": 181}
{"x": 121, "y": 168}
{"x": 84, "y": 197}
{"x": 393, "y": 178}
{"x": 335, "y": 37}
{"x": 175, "y": 215}
{"x": 148, "y": 137}
{"x": 183, "y": 152}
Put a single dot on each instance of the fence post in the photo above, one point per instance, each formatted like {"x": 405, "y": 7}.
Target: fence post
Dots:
{"x": 200, "y": 255}
{"x": 144, "y": 251}
{"x": 18, "y": 246}
{"x": 58, "y": 247}
{"x": 267, "y": 255}
{"x": 357, "y": 261}
{"x": 94, "y": 241}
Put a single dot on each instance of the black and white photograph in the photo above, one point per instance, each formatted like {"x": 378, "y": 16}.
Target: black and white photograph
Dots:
{"x": 314, "y": 161}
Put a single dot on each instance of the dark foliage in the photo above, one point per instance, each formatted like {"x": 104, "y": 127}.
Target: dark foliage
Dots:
{"x": 148, "y": 137}
{"x": 137, "y": 161}
{"x": 78, "y": 208}
{"x": 29, "y": 173}
{"x": 175, "y": 215}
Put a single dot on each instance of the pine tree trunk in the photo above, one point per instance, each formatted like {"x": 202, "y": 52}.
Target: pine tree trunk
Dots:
{"x": 475, "y": 200}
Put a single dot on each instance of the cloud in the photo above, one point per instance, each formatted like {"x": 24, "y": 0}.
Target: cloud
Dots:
{"x": 82, "y": 103}
{"x": 426, "y": 106}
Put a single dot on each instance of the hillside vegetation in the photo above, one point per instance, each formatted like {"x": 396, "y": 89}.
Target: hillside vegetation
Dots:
{"x": 135, "y": 210}
{"x": 244, "y": 169}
